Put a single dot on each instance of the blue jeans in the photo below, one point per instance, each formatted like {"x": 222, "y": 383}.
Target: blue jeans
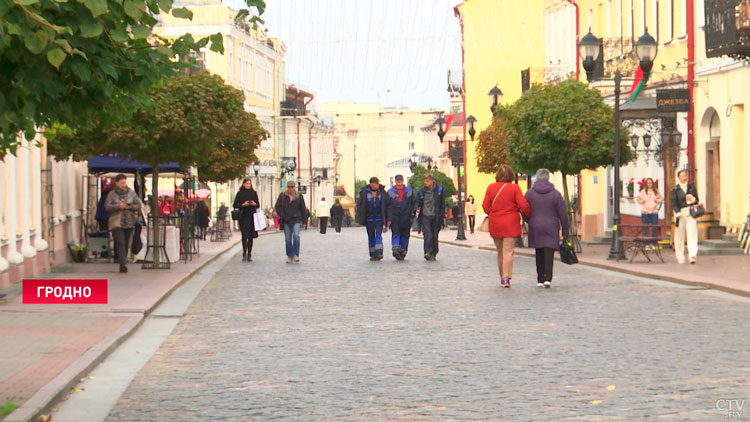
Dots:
{"x": 651, "y": 219}
{"x": 375, "y": 237}
{"x": 291, "y": 235}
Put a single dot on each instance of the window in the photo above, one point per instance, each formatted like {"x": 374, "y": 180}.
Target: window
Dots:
{"x": 411, "y": 146}
{"x": 411, "y": 129}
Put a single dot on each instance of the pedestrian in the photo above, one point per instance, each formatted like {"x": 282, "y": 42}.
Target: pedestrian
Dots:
{"x": 548, "y": 215}
{"x": 650, "y": 199}
{"x": 292, "y": 211}
{"x": 471, "y": 212}
{"x": 371, "y": 213}
{"x": 246, "y": 201}
{"x": 337, "y": 216}
{"x": 400, "y": 210}
{"x": 202, "y": 216}
{"x": 502, "y": 203}
{"x": 684, "y": 195}
{"x": 102, "y": 217}
{"x": 323, "y": 211}
{"x": 431, "y": 208}
{"x": 123, "y": 206}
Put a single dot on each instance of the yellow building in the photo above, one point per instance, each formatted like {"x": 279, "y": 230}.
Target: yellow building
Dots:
{"x": 501, "y": 38}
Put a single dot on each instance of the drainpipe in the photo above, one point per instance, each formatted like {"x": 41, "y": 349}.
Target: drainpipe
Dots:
{"x": 299, "y": 162}
{"x": 691, "y": 86}
{"x": 578, "y": 54}
{"x": 463, "y": 99}
{"x": 309, "y": 140}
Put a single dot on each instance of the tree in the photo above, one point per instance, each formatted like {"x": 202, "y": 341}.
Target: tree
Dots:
{"x": 563, "y": 127}
{"x": 490, "y": 147}
{"x": 359, "y": 184}
{"x": 416, "y": 181}
{"x": 185, "y": 120}
{"x": 70, "y": 63}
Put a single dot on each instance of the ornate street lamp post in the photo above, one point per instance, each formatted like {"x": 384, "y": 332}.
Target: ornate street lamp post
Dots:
{"x": 645, "y": 48}
{"x": 495, "y": 96}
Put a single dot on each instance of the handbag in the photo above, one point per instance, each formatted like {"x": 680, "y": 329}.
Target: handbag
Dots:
{"x": 697, "y": 210}
{"x": 259, "y": 219}
{"x": 115, "y": 221}
{"x": 236, "y": 214}
{"x": 485, "y": 226}
{"x": 567, "y": 253}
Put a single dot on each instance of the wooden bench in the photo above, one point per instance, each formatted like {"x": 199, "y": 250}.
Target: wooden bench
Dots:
{"x": 640, "y": 238}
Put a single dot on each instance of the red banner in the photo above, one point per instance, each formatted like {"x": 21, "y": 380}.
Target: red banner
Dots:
{"x": 65, "y": 291}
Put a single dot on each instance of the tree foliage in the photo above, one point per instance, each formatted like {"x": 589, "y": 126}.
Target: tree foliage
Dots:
{"x": 490, "y": 147}
{"x": 74, "y": 62}
{"x": 192, "y": 119}
{"x": 416, "y": 181}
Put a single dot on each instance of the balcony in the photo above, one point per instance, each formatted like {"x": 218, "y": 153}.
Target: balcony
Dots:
{"x": 728, "y": 28}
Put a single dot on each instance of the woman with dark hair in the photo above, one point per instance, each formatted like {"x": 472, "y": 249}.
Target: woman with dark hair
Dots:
{"x": 337, "y": 216}
{"x": 247, "y": 202}
{"x": 471, "y": 212}
{"x": 684, "y": 195}
{"x": 202, "y": 216}
{"x": 650, "y": 200}
{"x": 503, "y": 201}
{"x": 122, "y": 205}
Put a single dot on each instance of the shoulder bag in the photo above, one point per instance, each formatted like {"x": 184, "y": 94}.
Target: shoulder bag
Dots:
{"x": 485, "y": 226}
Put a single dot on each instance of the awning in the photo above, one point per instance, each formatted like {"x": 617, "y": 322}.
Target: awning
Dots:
{"x": 114, "y": 164}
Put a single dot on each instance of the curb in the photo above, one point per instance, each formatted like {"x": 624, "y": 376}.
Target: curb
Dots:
{"x": 50, "y": 393}
{"x": 636, "y": 273}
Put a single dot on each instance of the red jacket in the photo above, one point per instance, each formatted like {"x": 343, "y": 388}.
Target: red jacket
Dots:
{"x": 504, "y": 218}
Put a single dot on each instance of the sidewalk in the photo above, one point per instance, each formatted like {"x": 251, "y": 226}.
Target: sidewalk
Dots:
{"x": 45, "y": 349}
{"x": 727, "y": 273}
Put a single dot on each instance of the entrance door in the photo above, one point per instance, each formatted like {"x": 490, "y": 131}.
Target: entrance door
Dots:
{"x": 713, "y": 182}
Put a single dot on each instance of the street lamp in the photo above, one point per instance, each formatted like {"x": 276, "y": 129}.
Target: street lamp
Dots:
{"x": 441, "y": 127}
{"x": 413, "y": 162}
{"x": 256, "y": 169}
{"x": 495, "y": 96}
{"x": 456, "y": 148}
{"x": 589, "y": 47}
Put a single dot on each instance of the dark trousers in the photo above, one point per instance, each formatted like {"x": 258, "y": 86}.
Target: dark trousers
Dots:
{"x": 472, "y": 218}
{"x": 375, "y": 237}
{"x": 544, "y": 259}
{"x": 246, "y": 228}
{"x": 431, "y": 230}
{"x": 400, "y": 231}
{"x": 122, "y": 243}
{"x": 337, "y": 223}
{"x": 323, "y": 224}
{"x": 651, "y": 219}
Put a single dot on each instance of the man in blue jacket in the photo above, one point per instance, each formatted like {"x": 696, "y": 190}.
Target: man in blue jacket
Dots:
{"x": 401, "y": 200}
{"x": 431, "y": 206}
{"x": 371, "y": 213}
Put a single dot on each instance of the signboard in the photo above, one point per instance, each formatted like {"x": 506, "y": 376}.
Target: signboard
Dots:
{"x": 672, "y": 100}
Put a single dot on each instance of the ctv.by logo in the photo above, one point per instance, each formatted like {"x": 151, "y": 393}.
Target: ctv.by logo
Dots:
{"x": 731, "y": 408}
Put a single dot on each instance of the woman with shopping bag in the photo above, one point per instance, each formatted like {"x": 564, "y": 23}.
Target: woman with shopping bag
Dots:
{"x": 246, "y": 202}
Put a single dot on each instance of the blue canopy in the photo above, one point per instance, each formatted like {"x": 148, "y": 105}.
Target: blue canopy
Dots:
{"x": 114, "y": 164}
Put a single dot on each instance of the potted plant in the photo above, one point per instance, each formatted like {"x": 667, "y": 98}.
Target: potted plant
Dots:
{"x": 78, "y": 251}
{"x": 313, "y": 220}
{"x": 631, "y": 187}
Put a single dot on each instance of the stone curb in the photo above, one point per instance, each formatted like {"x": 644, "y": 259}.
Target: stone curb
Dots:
{"x": 43, "y": 399}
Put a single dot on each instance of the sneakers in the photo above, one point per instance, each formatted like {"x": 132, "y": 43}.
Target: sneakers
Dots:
{"x": 547, "y": 284}
{"x": 692, "y": 260}
{"x": 680, "y": 261}
{"x": 430, "y": 257}
{"x": 296, "y": 258}
{"x": 289, "y": 260}
{"x": 123, "y": 268}
{"x": 399, "y": 254}
{"x": 505, "y": 282}
{"x": 539, "y": 284}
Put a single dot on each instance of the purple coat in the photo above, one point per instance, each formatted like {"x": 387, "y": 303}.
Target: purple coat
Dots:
{"x": 548, "y": 213}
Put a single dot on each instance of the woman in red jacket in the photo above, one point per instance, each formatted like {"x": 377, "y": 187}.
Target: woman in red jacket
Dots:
{"x": 502, "y": 203}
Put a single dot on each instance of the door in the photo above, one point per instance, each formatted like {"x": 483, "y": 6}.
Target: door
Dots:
{"x": 713, "y": 182}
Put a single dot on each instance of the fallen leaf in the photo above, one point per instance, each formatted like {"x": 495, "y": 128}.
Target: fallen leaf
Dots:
{"x": 137, "y": 352}
{"x": 77, "y": 390}
{"x": 566, "y": 351}
{"x": 611, "y": 387}
{"x": 44, "y": 418}
{"x": 91, "y": 377}
{"x": 372, "y": 398}
{"x": 595, "y": 401}
{"x": 54, "y": 409}
{"x": 64, "y": 398}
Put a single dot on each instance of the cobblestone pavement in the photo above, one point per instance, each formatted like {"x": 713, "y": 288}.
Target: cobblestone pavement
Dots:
{"x": 337, "y": 337}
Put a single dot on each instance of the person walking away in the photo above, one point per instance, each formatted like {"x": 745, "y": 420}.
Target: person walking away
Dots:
{"x": 471, "y": 212}
{"x": 246, "y": 201}
{"x": 122, "y": 205}
{"x": 503, "y": 201}
{"x": 371, "y": 213}
{"x": 684, "y": 195}
{"x": 292, "y": 211}
{"x": 323, "y": 211}
{"x": 202, "y": 216}
{"x": 400, "y": 211}
{"x": 337, "y": 216}
{"x": 650, "y": 199}
{"x": 431, "y": 209}
{"x": 547, "y": 217}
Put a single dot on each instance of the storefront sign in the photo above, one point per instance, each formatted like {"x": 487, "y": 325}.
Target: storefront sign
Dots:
{"x": 672, "y": 100}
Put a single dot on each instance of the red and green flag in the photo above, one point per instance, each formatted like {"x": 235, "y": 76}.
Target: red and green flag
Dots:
{"x": 638, "y": 83}
{"x": 449, "y": 121}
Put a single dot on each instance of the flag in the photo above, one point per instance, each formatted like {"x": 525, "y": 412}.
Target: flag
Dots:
{"x": 638, "y": 83}
{"x": 449, "y": 121}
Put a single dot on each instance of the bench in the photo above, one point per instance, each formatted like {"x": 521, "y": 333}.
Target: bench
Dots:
{"x": 640, "y": 239}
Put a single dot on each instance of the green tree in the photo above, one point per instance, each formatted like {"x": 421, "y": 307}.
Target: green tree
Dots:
{"x": 359, "y": 184}
{"x": 563, "y": 127}
{"x": 72, "y": 63}
{"x": 490, "y": 147}
{"x": 416, "y": 181}
{"x": 185, "y": 120}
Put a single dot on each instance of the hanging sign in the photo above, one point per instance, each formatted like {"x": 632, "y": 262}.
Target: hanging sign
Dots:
{"x": 672, "y": 100}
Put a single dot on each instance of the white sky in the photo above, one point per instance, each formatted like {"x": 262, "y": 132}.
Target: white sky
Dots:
{"x": 392, "y": 52}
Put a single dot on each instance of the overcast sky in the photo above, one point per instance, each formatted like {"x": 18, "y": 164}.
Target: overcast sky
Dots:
{"x": 392, "y": 52}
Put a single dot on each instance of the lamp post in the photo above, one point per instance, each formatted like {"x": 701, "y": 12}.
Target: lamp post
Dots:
{"x": 645, "y": 48}
{"x": 495, "y": 95}
{"x": 457, "y": 157}
{"x": 413, "y": 162}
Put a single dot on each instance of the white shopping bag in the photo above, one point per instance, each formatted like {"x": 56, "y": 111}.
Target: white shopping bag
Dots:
{"x": 259, "y": 218}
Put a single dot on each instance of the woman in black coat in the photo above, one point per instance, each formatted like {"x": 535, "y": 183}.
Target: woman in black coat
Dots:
{"x": 202, "y": 215}
{"x": 247, "y": 202}
{"x": 337, "y": 216}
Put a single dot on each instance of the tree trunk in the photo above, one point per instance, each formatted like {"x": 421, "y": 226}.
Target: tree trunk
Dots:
{"x": 156, "y": 254}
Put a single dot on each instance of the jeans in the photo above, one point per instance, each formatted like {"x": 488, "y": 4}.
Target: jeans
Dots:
{"x": 431, "y": 230}
{"x": 291, "y": 235}
{"x": 323, "y": 224}
{"x": 472, "y": 219}
{"x": 651, "y": 219}
{"x": 400, "y": 231}
{"x": 122, "y": 243}
{"x": 544, "y": 260}
{"x": 375, "y": 237}
{"x": 337, "y": 223}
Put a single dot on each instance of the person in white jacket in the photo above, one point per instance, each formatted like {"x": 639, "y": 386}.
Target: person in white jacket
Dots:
{"x": 323, "y": 211}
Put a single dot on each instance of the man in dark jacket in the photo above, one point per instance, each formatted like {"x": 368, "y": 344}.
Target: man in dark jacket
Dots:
{"x": 371, "y": 213}
{"x": 431, "y": 208}
{"x": 290, "y": 206}
{"x": 548, "y": 214}
{"x": 400, "y": 212}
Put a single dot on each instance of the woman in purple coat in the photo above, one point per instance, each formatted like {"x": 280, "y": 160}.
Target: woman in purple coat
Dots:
{"x": 548, "y": 213}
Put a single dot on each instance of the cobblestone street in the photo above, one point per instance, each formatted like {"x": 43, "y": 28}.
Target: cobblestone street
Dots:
{"x": 337, "y": 337}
